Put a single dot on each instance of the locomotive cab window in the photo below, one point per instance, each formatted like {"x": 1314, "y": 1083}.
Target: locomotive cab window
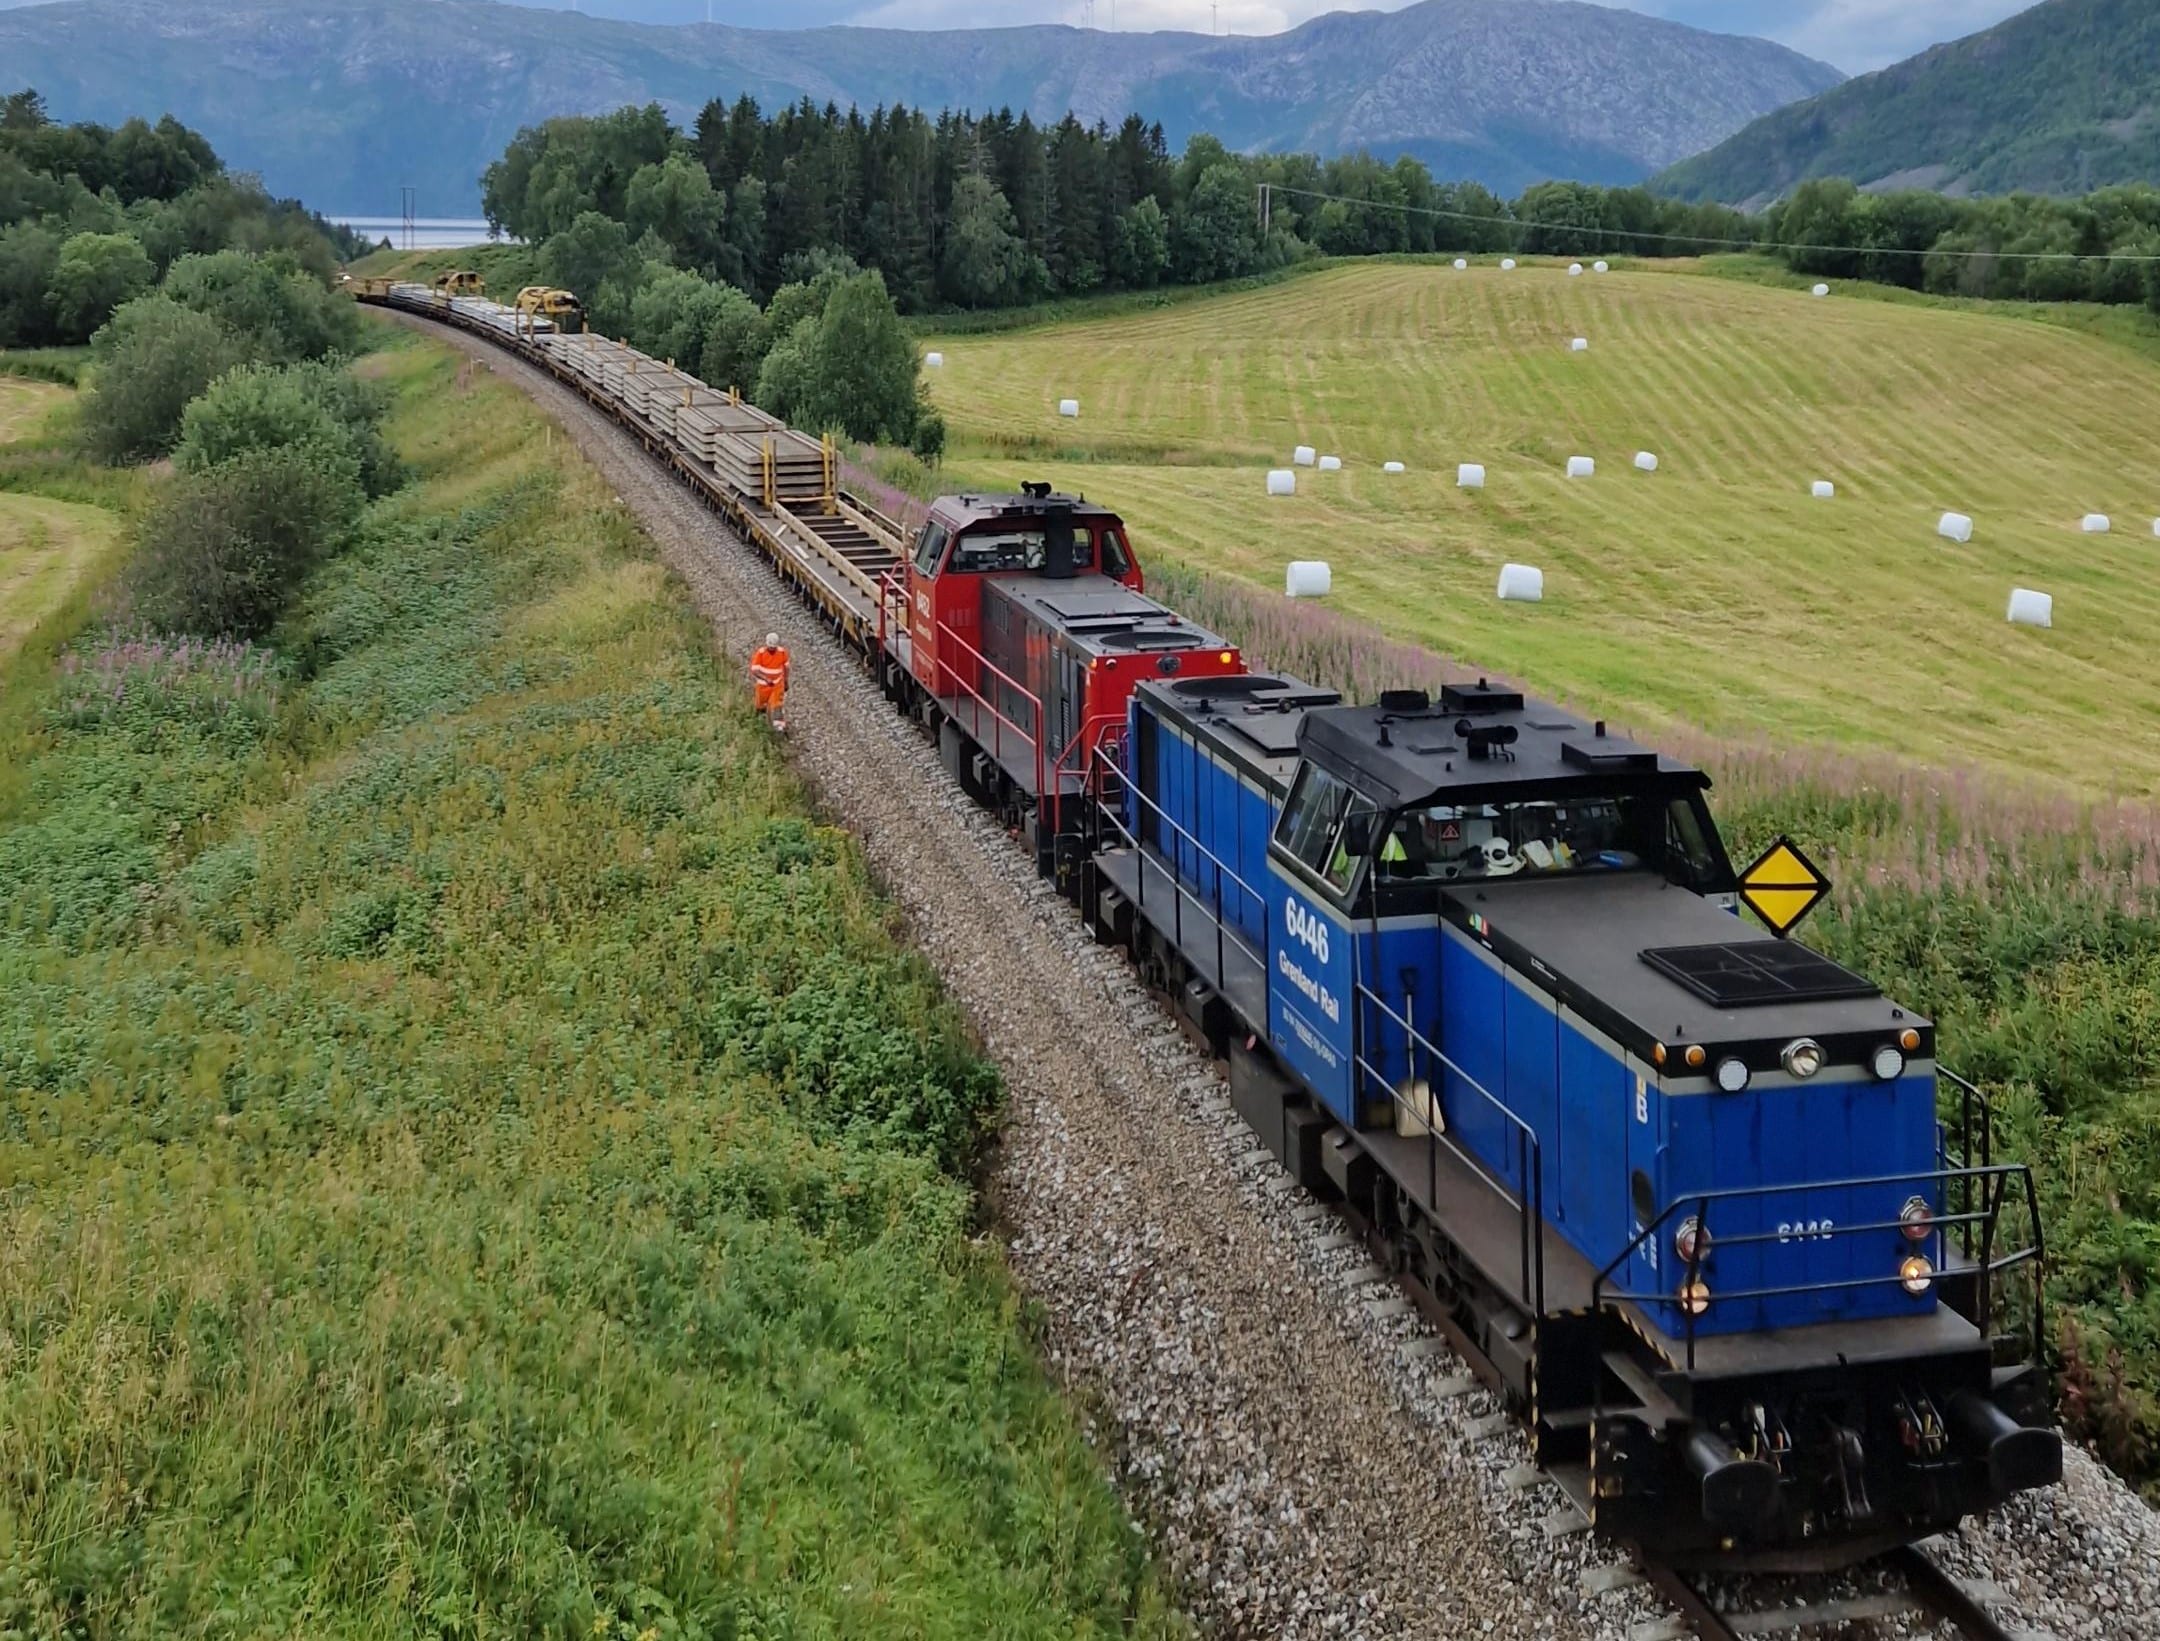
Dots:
{"x": 1326, "y": 827}
{"x": 1116, "y": 560}
{"x": 930, "y": 547}
{"x": 1654, "y": 831}
{"x": 1021, "y": 549}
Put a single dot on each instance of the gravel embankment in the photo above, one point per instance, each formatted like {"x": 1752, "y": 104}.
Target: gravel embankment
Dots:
{"x": 1308, "y": 1458}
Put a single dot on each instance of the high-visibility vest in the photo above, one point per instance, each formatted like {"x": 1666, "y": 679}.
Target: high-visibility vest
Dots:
{"x": 1393, "y": 849}
{"x": 768, "y": 666}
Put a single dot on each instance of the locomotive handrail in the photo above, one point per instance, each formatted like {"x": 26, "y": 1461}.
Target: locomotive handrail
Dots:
{"x": 1992, "y": 1180}
{"x": 1033, "y": 738}
{"x": 1177, "y": 886}
{"x": 1529, "y": 1149}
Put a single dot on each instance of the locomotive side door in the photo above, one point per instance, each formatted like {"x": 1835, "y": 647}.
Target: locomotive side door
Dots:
{"x": 922, "y": 604}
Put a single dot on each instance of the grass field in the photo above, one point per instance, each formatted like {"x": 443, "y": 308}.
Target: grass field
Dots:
{"x": 1714, "y": 591}
{"x": 47, "y": 546}
{"x": 475, "y": 1158}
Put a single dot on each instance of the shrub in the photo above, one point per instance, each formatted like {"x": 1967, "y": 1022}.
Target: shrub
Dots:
{"x": 152, "y": 357}
{"x": 283, "y": 313}
{"x": 223, "y": 548}
{"x": 93, "y": 275}
{"x": 851, "y": 368}
{"x": 318, "y": 408}
{"x": 28, "y": 254}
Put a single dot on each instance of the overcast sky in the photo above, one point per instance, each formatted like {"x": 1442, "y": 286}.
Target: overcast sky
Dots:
{"x": 1856, "y": 35}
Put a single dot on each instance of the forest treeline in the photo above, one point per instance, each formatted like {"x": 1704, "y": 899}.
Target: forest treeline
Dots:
{"x": 92, "y": 215}
{"x": 965, "y": 211}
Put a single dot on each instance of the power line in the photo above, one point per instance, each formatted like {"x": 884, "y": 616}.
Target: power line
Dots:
{"x": 1267, "y": 188}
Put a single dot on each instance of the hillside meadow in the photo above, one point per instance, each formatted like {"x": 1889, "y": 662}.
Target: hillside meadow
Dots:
{"x": 1715, "y": 591}
{"x": 475, "y": 1158}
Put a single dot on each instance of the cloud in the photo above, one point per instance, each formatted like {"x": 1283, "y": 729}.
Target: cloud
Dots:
{"x": 1856, "y": 35}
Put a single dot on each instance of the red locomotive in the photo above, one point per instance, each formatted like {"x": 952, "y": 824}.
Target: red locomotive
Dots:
{"x": 1017, "y": 629}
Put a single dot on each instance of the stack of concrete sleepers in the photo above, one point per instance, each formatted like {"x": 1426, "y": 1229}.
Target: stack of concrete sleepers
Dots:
{"x": 797, "y": 462}
{"x": 654, "y": 391}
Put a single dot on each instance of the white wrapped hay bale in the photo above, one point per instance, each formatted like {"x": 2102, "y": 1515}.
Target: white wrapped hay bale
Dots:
{"x": 1645, "y": 462}
{"x": 2096, "y": 524}
{"x": 1822, "y": 490}
{"x": 1282, "y": 481}
{"x": 1507, "y": 264}
{"x": 1574, "y": 270}
{"x": 936, "y": 361}
{"x": 1954, "y": 527}
{"x": 1581, "y": 344}
{"x": 1581, "y": 467}
{"x": 1302, "y": 456}
{"x": 1460, "y": 264}
{"x": 1470, "y": 476}
{"x": 2031, "y": 609}
{"x": 1308, "y": 578}
{"x": 1331, "y": 464}
{"x": 2156, "y": 527}
{"x": 1820, "y": 290}
{"x": 1523, "y": 582}
{"x": 1601, "y": 267}
{"x": 1068, "y": 407}
{"x": 1392, "y": 467}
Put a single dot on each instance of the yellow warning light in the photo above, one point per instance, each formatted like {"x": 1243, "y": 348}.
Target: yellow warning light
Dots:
{"x": 1908, "y": 1039}
{"x": 1696, "y": 1054}
{"x": 1694, "y": 1297}
{"x": 1227, "y": 657}
{"x": 1657, "y": 1054}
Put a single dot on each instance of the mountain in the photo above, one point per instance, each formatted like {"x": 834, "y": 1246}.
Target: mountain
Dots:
{"x": 344, "y": 101}
{"x": 2059, "y": 99}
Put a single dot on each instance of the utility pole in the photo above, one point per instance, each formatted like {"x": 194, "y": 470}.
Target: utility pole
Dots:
{"x": 1214, "y": 16}
{"x": 405, "y": 201}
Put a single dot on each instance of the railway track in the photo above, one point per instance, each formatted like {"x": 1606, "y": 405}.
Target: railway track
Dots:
{"x": 1927, "y": 1592}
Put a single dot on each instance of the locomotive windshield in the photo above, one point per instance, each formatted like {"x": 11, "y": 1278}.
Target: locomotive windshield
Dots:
{"x": 1027, "y": 548}
{"x": 1331, "y": 830}
{"x": 1618, "y": 833}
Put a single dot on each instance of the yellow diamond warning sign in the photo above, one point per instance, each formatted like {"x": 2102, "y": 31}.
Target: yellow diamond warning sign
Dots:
{"x": 1782, "y": 887}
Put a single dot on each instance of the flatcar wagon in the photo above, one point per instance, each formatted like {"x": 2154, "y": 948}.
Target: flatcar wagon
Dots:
{"x": 1681, "y": 1190}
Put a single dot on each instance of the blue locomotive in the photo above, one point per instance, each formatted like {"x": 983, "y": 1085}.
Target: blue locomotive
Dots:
{"x": 1679, "y": 1188}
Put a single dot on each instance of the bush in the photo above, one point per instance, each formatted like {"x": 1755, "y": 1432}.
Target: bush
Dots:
{"x": 318, "y": 408}
{"x": 222, "y": 549}
{"x": 28, "y": 255}
{"x": 152, "y": 357}
{"x": 850, "y": 369}
{"x": 95, "y": 273}
{"x": 283, "y": 312}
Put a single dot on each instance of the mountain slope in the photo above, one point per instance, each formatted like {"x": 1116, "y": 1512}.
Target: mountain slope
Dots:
{"x": 2059, "y": 99}
{"x": 343, "y": 102}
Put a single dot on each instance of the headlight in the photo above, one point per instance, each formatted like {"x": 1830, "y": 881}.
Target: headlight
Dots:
{"x": 1692, "y": 1241}
{"x": 1917, "y": 1219}
{"x": 1887, "y": 1062}
{"x": 1732, "y": 1076}
{"x": 1694, "y": 1297}
{"x": 1917, "y": 1275}
{"x": 1802, "y": 1056}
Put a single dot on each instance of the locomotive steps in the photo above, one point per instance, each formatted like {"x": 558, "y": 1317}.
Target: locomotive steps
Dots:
{"x": 1312, "y": 1460}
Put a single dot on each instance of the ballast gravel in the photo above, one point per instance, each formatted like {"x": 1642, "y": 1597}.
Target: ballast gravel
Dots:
{"x": 1309, "y": 1459}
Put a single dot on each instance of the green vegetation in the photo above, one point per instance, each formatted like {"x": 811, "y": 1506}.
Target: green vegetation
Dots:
{"x": 91, "y": 216}
{"x": 1983, "y": 795}
{"x": 475, "y": 1156}
{"x": 993, "y": 211}
{"x": 48, "y": 545}
{"x": 2057, "y": 100}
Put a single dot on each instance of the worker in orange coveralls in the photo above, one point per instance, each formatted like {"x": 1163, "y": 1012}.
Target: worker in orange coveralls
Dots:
{"x": 768, "y": 680}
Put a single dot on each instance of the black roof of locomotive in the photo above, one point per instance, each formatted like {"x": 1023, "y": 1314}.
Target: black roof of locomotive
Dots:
{"x": 1103, "y": 616}
{"x": 968, "y": 507}
{"x": 1409, "y": 750}
{"x": 1250, "y": 718}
